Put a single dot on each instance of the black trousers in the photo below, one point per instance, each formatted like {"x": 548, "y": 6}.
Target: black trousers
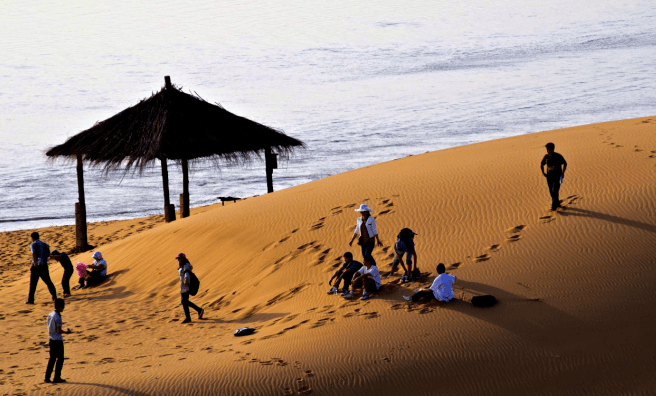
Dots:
{"x": 36, "y": 272}
{"x": 554, "y": 189}
{"x": 186, "y": 304}
{"x": 423, "y": 294}
{"x": 93, "y": 279}
{"x": 347, "y": 277}
{"x": 66, "y": 280}
{"x": 367, "y": 248}
{"x": 56, "y": 358}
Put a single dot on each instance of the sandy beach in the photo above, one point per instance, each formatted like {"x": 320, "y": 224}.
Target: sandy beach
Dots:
{"x": 575, "y": 286}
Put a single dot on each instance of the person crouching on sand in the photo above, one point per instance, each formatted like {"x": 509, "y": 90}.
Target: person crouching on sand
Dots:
{"x": 68, "y": 270}
{"x": 440, "y": 290}
{"x": 56, "y": 342}
{"x": 405, "y": 245}
{"x": 183, "y": 270}
{"x": 345, "y": 273}
{"x": 367, "y": 278}
{"x": 365, "y": 231}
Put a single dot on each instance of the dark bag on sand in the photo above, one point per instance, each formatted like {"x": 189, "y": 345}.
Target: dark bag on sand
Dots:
{"x": 360, "y": 241}
{"x": 244, "y": 331}
{"x": 416, "y": 274}
{"x": 194, "y": 283}
{"x": 483, "y": 301}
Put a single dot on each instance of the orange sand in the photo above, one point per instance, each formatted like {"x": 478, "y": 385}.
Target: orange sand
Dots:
{"x": 575, "y": 287}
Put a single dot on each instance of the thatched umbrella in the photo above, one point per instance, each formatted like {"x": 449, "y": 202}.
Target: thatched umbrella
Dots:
{"x": 170, "y": 125}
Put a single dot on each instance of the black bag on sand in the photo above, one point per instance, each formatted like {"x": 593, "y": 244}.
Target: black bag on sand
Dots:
{"x": 194, "y": 284}
{"x": 244, "y": 331}
{"x": 483, "y": 301}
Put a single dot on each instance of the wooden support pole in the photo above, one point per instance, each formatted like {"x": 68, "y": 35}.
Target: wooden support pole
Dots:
{"x": 184, "y": 200}
{"x": 81, "y": 241}
{"x": 269, "y": 169}
{"x": 168, "y": 214}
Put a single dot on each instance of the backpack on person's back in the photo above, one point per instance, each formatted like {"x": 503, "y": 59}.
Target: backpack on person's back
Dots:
{"x": 194, "y": 283}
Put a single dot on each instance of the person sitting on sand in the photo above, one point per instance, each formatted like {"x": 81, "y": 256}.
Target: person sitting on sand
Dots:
{"x": 365, "y": 231}
{"x": 440, "y": 290}
{"x": 68, "y": 270}
{"x": 98, "y": 271}
{"x": 556, "y": 166}
{"x": 345, "y": 273}
{"x": 405, "y": 245}
{"x": 367, "y": 278}
{"x": 183, "y": 271}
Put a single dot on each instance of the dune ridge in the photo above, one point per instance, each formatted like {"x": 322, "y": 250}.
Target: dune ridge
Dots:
{"x": 574, "y": 286}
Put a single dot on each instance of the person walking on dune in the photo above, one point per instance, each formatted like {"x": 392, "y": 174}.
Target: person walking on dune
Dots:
{"x": 556, "y": 166}
{"x": 68, "y": 270}
{"x": 40, "y": 253}
{"x": 184, "y": 270}
{"x": 440, "y": 290}
{"x": 365, "y": 231}
{"x": 56, "y": 342}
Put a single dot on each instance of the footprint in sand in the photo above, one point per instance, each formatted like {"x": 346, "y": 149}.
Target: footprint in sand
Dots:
{"x": 546, "y": 218}
{"x": 309, "y": 373}
{"x": 494, "y": 248}
{"x": 515, "y": 229}
{"x": 454, "y": 266}
{"x": 482, "y": 257}
{"x": 514, "y": 238}
{"x": 384, "y": 212}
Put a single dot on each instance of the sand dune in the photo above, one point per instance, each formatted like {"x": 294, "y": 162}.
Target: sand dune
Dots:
{"x": 575, "y": 287}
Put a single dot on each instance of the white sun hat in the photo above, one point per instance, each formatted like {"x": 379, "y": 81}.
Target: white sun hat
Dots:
{"x": 364, "y": 208}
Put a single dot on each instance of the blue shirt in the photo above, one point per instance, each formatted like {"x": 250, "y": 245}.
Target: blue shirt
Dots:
{"x": 353, "y": 265}
{"x": 54, "y": 321}
{"x": 42, "y": 251}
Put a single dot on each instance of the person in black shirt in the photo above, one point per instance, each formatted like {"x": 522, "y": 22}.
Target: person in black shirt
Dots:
{"x": 68, "y": 270}
{"x": 556, "y": 166}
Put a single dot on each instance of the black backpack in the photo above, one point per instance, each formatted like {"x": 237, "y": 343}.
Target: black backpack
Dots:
{"x": 406, "y": 234}
{"x": 194, "y": 283}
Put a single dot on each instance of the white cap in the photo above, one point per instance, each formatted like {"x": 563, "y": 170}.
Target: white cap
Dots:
{"x": 97, "y": 255}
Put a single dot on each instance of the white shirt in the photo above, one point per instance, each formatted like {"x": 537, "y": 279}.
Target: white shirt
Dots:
{"x": 103, "y": 262}
{"x": 375, "y": 275}
{"x": 370, "y": 224}
{"x": 54, "y": 321}
{"x": 184, "y": 275}
{"x": 442, "y": 287}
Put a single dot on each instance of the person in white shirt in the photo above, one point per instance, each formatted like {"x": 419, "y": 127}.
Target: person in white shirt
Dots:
{"x": 98, "y": 271}
{"x": 440, "y": 290}
{"x": 183, "y": 271}
{"x": 365, "y": 231}
{"x": 56, "y": 342}
{"x": 367, "y": 278}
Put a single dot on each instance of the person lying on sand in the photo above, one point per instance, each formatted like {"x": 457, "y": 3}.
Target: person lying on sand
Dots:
{"x": 345, "y": 273}
{"x": 405, "y": 244}
{"x": 98, "y": 271}
{"x": 365, "y": 231}
{"x": 367, "y": 278}
{"x": 440, "y": 290}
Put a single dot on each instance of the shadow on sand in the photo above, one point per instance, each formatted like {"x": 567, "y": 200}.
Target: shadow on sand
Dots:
{"x": 577, "y": 212}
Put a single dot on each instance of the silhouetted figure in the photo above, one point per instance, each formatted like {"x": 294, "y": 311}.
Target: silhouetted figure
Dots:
{"x": 40, "y": 253}
{"x": 556, "y": 166}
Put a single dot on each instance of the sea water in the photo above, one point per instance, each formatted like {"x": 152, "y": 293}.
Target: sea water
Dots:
{"x": 358, "y": 83}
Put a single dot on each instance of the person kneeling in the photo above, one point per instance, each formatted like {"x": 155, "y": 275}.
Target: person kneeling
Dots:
{"x": 98, "y": 271}
{"x": 367, "y": 278}
{"x": 440, "y": 290}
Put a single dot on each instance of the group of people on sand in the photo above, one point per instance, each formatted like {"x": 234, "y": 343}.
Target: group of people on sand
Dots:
{"x": 351, "y": 276}
{"x": 354, "y": 275}
{"x": 89, "y": 275}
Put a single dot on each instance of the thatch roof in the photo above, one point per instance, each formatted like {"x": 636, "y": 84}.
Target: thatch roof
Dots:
{"x": 174, "y": 125}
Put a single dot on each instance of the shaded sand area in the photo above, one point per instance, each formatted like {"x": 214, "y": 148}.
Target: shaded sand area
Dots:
{"x": 575, "y": 287}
